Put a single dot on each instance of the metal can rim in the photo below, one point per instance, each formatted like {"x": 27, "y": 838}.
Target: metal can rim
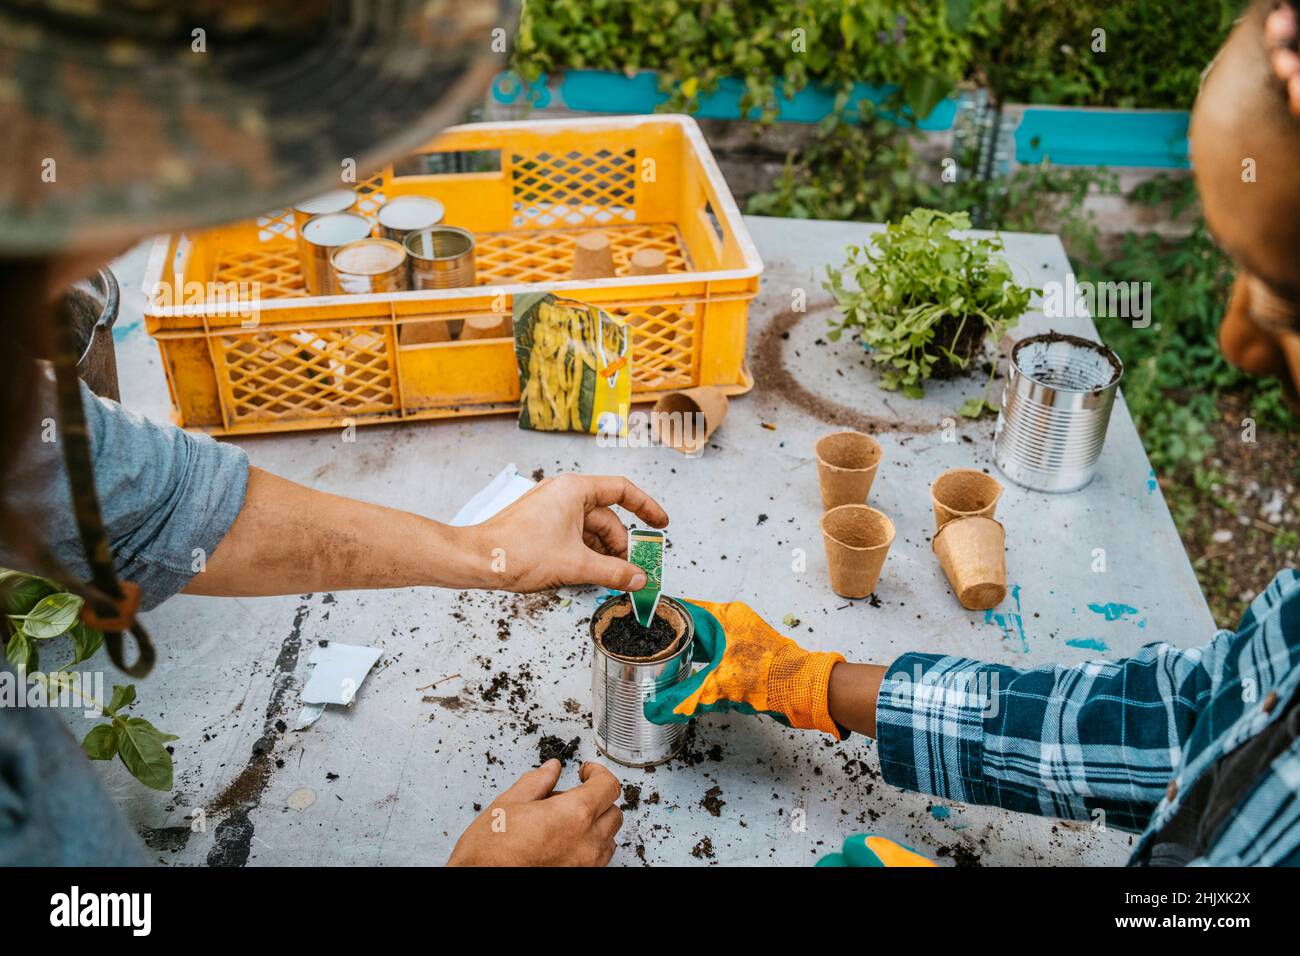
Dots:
{"x": 339, "y": 194}
{"x": 406, "y": 200}
{"x": 368, "y": 240}
{"x": 1098, "y": 347}
{"x": 663, "y": 599}
{"x": 455, "y": 230}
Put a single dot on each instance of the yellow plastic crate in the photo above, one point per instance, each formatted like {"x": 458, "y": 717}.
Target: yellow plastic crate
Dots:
{"x": 296, "y": 361}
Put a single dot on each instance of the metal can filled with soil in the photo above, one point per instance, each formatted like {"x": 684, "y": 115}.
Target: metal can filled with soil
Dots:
{"x": 630, "y": 665}
{"x": 1055, "y": 408}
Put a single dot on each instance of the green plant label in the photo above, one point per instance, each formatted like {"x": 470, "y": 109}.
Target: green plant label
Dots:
{"x": 645, "y": 549}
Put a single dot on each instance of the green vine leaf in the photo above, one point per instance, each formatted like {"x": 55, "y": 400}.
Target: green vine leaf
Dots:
{"x": 122, "y": 697}
{"x": 85, "y": 642}
{"x": 22, "y": 591}
{"x": 142, "y": 748}
{"x": 101, "y": 742}
{"x": 37, "y": 610}
{"x": 52, "y": 616}
{"x": 18, "y": 652}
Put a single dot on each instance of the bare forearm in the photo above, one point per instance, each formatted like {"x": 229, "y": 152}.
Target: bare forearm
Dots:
{"x": 289, "y": 539}
{"x": 852, "y": 696}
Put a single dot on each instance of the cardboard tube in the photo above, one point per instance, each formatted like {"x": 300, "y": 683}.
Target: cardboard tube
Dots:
{"x": 422, "y": 333}
{"x": 972, "y": 552}
{"x": 963, "y": 492}
{"x": 647, "y": 262}
{"x": 846, "y": 467}
{"x": 857, "y": 540}
{"x": 685, "y": 420}
{"x": 593, "y": 257}
{"x": 485, "y": 327}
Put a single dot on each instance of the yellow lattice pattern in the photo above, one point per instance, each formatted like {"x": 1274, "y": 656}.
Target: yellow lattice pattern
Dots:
{"x": 554, "y": 190}
{"x": 507, "y": 257}
{"x": 286, "y": 375}
{"x": 664, "y": 340}
{"x": 665, "y": 346}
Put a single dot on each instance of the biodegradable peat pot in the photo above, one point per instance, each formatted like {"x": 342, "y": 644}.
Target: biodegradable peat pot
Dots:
{"x": 962, "y": 493}
{"x": 621, "y": 683}
{"x": 647, "y": 262}
{"x": 972, "y": 552}
{"x": 593, "y": 256}
{"x": 686, "y": 419}
{"x": 486, "y": 327}
{"x": 857, "y": 540}
{"x": 424, "y": 333}
{"x": 846, "y": 467}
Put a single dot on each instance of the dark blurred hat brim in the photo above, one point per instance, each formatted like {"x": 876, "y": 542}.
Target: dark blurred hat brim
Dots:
{"x": 102, "y": 146}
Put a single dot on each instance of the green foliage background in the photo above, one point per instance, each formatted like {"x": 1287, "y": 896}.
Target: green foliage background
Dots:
{"x": 1037, "y": 51}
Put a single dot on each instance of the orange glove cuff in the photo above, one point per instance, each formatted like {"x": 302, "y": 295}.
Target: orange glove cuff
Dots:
{"x": 797, "y": 687}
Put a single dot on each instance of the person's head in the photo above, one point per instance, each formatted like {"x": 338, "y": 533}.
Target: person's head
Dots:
{"x": 1244, "y": 144}
{"x": 124, "y": 120}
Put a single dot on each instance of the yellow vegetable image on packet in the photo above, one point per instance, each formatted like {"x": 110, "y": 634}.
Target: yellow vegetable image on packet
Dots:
{"x": 575, "y": 369}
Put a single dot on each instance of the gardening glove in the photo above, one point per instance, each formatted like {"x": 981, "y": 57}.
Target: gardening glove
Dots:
{"x": 871, "y": 849}
{"x": 751, "y": 669}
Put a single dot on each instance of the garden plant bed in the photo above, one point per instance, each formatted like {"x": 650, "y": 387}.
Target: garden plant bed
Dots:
{"x": 1237, "y": 511}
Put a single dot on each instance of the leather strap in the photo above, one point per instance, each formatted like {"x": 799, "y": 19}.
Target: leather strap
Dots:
{"x": 106, "y": 599}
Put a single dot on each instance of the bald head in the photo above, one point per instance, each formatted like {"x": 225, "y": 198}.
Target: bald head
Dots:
{"x": 1245, "y": 149}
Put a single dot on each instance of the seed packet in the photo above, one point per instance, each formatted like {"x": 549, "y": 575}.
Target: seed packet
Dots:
{"x": 574, "y": 366}
{"x": 645, "y": 549}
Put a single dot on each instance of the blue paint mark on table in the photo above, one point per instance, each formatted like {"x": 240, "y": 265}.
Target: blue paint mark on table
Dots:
{"x": 1012, "y": 622}
{"x": 1088, "y": 643}
{"x": 1113, "y": 611}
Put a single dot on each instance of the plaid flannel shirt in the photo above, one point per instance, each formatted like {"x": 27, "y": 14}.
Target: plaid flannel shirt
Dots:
{"x": 1125, "y": 738}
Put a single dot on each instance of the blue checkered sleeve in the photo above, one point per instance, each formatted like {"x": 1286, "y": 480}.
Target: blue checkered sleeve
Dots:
{"x": 1058, "y": 741}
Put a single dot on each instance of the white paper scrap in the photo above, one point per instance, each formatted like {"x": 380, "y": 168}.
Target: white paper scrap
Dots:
{"x": 308, "y": 716}
{"x": 337, "y": 672}
{"x": 499, "y": 493}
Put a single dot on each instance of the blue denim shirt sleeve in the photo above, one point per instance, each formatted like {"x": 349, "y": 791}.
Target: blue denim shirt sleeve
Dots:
{"x": 168, "y": 496}
{"x": 1056, "y": 741}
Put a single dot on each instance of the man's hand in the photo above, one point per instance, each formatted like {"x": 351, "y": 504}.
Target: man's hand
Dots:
{"x": 565, "y": 531}
{"x": 530, "y": 825}
{"x": 289, "y": 539}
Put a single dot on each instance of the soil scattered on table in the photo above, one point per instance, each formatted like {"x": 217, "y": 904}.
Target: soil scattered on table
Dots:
{"x": 712, "y": 801}
{"x": 551, "y": 747}
{"x": 703, "y": 850}
{"x": 962, "y": 855}
{"x": 631, "y": 797}
{"x": 625, "y": 637}
{"x": 776, "y": 379}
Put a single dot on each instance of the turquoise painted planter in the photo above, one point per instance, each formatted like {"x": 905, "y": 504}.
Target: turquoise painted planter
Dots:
{"x": 599, "y": 91}
{"x": 1073, "y": 136}
{"x": 1068, "y": 136}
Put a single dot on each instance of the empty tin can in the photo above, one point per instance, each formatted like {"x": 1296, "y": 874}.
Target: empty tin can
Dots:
{"x": 322, "y": 235}
{"x": 620, "y": 686}
{"x": 406, "y": 214}
{"x": 1055, "y": 408}
{"x": 369, "y": 265}
{"x": 441, "y": 258}
{"x": 334, "y": 201}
